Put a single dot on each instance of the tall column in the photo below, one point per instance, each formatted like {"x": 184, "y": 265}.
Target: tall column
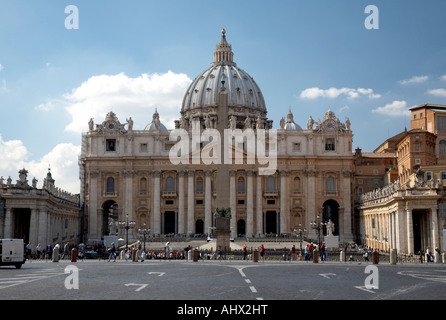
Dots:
{"x": 43, "y": 227}
{"x": 7, "y": 233}
{"x": 409, "y": 230}
{"x": 93, "y": 206}
{"x": 400, "y": 242}
{"x": 181, "y": 193}
{"x": 347, "y": 199}
{"x": 34, "y": 227}
{"x": 156, "y": 174}
{"x": 190, "y": 201}
{"x": 311, "y": 211}
{"x": 233, "y": 199}
{"x": 434, "y": 228}
{"x": 128, "y": 194}
{"x": 207, "y": 200}
{"x": 249, "y": 203}
{"x": 259, "y": 199}
{"x": 283, "y": 202}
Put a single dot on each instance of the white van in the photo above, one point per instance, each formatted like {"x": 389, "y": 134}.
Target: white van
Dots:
{"x": 12, "y": 252}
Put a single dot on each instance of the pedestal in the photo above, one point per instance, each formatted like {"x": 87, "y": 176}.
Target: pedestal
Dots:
{"x": 223, "y": 233}
{"x": 331, "y": 241}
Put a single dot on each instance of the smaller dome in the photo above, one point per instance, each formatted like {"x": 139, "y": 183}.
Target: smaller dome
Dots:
{"x": 155, "y": 125}
{"x": 290, "y": 124}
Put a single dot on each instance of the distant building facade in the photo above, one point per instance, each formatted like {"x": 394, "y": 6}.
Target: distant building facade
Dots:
{"x": 408, "y": 212}
{"x": 38, "y": 215}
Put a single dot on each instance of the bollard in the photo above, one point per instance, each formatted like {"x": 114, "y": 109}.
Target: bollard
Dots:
{"x": 315, "y": 256}
{"x": 393, "y": 258}
{"x": 375, "y": 257}
{"x": 342, "y": 256}
{"x": 56, "y": 255}
{"x": 73, "y": 255}
{"x": 255, "y": 255}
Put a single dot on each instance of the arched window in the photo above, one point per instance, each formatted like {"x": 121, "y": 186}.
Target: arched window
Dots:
{"x": 270, "y": 184}
{"x": 170, "y": 184}
{"x": 143, "y": 186}
{"x": 110, "y": 188}
{"x": 241, "y": 185}
{"x": 331, "y": 185}
{"x": 296, "y": 185}
{"x": 199, "y": 185}
{"x": 442, "y": 147}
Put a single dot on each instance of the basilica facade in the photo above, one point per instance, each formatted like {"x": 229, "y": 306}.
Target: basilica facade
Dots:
{"x": 128, "y": 173}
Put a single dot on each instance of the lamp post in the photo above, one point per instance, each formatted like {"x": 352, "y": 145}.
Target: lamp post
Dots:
{"x": 127, "y": 225}
{"x": 144, "y": 231}
{"x": 300, "y": 235}
{"x": 316, "y": 225}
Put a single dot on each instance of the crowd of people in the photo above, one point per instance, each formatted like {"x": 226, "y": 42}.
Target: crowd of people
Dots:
{"x": 46, "y": 252}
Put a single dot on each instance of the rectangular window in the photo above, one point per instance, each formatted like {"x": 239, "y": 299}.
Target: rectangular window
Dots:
{"x": 443, "y": 175}
{"x": 330, "y": 144}
{"x": 110, "y": 145}
{"x": 143, "y": 147}
{"x": 429, "y": 176}
{"x": 296, "y": 146}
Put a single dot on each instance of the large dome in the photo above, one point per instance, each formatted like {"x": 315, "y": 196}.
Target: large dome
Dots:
{"x": 244, "y": 96}
{"x": 241, "y": 87}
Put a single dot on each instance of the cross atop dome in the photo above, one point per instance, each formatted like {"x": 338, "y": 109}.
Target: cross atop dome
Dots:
{"x": 223, "y": 51}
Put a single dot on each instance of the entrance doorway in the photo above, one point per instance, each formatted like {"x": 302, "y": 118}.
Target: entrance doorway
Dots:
{"x": 331, "y": 212}
{"x": 169, "y": 222}
{"x": 199, "y": 226}
{"x": 420, "y": 230}
{"x": 241, "y": 229}
{"x": 271, "y": 222}
{"x": 110, "y": 218}
{"x": 22, "y": 222}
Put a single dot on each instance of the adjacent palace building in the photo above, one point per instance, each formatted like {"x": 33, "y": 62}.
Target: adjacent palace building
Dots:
{"x": 391, "y": 198}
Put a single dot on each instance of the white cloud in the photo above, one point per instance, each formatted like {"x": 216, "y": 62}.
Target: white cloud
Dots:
{"x": 441, "y": 92}
{"x": 443, "y": 77}
{"x": 396, "y": 108}
{"x": 127, "y": 97}
{"x": 1, "y": 67}
{"x": 45, "y": 106}
{"x": 62, "y": 159}
{"x": 315, "y": 92}
{"x": 415, "y": 79}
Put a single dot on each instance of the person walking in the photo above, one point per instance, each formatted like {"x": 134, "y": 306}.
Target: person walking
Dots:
{"x": 262, "y": 252}
{"x": 50, "y": 251}
{"x": 38, "y": 251}
{"x": 66, "y": 250}
{"x": 112, "y": 251}
{"x": 28, "y": 251}
{"x": 245, "y": 252}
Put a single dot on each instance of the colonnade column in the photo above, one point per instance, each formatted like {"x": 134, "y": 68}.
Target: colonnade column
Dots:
{"x": 434, "y": 228}
{"x": 43, "y": 227}
{"x": 409, "y": 230}
{"x": 7, "y": 227}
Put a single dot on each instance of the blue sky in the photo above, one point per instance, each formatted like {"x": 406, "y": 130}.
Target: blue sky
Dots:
{"x": 132, "y": 56}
